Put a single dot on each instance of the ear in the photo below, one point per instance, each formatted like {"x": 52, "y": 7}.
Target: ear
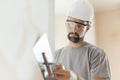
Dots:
{"x": 88, "y": 27}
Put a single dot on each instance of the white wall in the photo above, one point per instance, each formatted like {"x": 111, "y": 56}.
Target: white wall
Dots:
{"x": 43, "y": 15}
{"x": 21, "y": 22}
{"x": 60, "y": 32}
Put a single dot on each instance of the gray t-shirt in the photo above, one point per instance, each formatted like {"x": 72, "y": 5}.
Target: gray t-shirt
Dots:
{"x": 87, "y": 61}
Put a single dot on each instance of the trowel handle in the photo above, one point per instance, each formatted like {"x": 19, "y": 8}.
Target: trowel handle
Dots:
{"x": 46, "y": 64}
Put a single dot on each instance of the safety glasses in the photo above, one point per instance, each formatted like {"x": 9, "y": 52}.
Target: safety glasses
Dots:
{"x": 78, "y": 25}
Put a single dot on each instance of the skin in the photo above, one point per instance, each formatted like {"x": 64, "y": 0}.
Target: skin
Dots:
{"x": 63, "y": 74}
{"x": 79, "y": 31}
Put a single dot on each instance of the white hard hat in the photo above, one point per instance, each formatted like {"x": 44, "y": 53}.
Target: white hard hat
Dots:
{"x": 81, "y": 9}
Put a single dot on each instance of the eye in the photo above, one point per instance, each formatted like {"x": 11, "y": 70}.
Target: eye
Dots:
{"x": 80, "y": 26}
{"x": 71, "y": 24}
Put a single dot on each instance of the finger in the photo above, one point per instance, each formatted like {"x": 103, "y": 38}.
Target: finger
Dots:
{"x": 61, "y": 77}
{"x": 59, "y": 66}
{"x": 61, "y": 72}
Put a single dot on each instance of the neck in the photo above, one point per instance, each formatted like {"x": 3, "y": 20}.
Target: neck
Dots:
{"x": 71, "y": 44}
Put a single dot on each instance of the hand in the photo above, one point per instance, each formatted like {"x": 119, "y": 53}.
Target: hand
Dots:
{"x": 63, "y": 74}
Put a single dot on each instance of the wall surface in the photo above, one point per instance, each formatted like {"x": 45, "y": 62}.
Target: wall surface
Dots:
{"x": 107, "y": 36}
{"x": 60, "y": 32}
{"x": 21, "y": 23}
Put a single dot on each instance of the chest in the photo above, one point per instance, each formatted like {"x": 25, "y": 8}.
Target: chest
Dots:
{"x": 74, "y": 59}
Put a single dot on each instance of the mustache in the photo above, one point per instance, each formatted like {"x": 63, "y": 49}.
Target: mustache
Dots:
{"x": 73, "y": 39}
{"x": 76, "y": 38}
{"x": 74, "y": 34}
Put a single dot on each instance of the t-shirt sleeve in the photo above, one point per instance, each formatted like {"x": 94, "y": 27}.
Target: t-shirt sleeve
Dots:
{"x": 99, "y": 65}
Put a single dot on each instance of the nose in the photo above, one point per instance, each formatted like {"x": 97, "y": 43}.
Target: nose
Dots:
{"x": 74, "y": 28}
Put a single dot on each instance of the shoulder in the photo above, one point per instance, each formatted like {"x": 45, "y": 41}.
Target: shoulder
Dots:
{"x": 94, "y": 47}
{"x": 98, "y": 61}
{"x": 95, "y": 50}
{"x": 57, "y": 54}
{"x": 58, "y": 51}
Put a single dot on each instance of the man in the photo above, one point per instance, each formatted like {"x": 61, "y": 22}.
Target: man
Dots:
{"x": 82, "y": 60}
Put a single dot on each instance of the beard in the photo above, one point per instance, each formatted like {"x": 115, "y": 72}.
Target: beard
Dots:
{"x": 74, "y": 37}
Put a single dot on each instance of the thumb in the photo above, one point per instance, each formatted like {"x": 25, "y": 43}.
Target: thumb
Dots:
{"x": 59, "y": 66}
{"x": 73, "y": 76}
